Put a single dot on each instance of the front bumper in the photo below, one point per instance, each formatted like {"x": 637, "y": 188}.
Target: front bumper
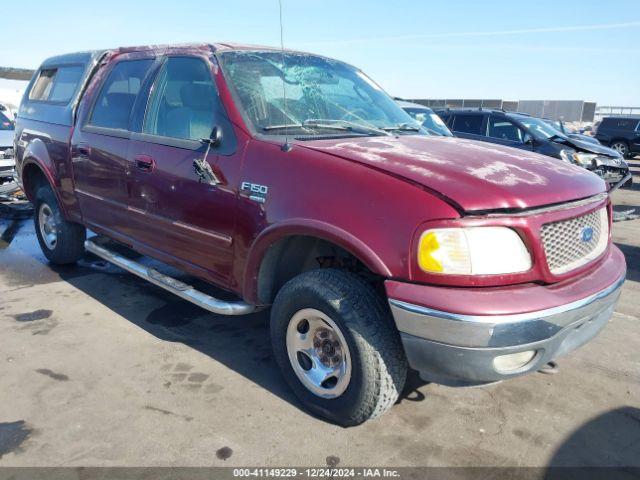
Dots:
{"x": 459, "y": 349}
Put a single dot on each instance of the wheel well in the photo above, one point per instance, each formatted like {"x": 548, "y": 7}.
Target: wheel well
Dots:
{"x": 32, "y": 178}
{"x": 618, "y": 139}
{"x": 297, "y": 254}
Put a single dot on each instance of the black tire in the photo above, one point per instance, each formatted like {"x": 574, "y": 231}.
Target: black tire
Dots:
{"x": 69, "y": 244}
{"x": 621, "y": 146}
{"x": 378, "y": 362}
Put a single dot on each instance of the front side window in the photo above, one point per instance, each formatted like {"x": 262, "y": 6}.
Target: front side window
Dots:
{"x": 539, "y": 128}
{"x": 118, "y": 94}
{"x": 183, "y": 101}
{"x": 468, "y": 124}
{"x": 56, "y": 84}
{"x": 308, "y": 95}
{"x": 504, "y": 130}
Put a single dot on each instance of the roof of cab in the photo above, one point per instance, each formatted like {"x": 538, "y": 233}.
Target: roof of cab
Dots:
{"x": 72, "y": 58}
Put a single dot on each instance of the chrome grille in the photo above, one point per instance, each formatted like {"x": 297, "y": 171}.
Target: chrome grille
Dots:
{"x": 569, "y": 244}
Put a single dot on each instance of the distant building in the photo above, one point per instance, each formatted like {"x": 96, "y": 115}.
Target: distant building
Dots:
{"x": 566, "y": 110}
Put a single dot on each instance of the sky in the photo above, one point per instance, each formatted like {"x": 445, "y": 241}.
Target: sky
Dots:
{"x": 551, "y": 50}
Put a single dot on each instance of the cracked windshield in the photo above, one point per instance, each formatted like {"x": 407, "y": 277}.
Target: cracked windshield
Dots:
{"x": 308, "y": 96}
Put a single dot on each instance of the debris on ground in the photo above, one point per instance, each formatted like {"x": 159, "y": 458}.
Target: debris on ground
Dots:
{"x": 15, "y": 206}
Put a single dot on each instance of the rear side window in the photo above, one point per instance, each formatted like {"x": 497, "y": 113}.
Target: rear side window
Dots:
{"x": 56, "y": 84}
{"x": 626, "y": 123}
{"x": 619, "y": 123}
{"x": 118, "y": 94}
{"x": 607, "y": 122}
{"x": 183, "y": 102}
{"x": 468, "y": 124}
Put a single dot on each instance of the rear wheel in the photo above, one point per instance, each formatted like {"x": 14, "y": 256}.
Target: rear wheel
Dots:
{"x": 337, "y": 347}
{"x": 62, "y": 242}
{"x": 621, "y": 147}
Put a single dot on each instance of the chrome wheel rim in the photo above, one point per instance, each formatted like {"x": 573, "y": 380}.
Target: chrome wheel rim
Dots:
{"x": 318, "y": 353}
{"x": 48, "y": 226}
{"x": 620, "y": 148}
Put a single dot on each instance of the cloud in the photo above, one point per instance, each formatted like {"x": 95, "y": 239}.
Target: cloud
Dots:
{"x": 495, "y": 33}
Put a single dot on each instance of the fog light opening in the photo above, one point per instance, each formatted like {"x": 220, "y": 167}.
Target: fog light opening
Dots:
{"x": 513, "y": 361}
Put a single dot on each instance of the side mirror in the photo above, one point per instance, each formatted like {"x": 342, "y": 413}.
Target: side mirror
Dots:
{"x": 528, "y": 139}
{"x": 214, "y": 138}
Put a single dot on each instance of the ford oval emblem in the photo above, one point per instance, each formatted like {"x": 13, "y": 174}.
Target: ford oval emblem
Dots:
{"x": 587, "y": 234}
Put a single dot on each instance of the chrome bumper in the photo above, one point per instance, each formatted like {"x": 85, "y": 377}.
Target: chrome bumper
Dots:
{"x": 457, "y": 349}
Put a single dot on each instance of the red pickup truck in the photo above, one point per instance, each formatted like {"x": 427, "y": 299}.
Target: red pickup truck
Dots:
{"x": 294, "y": 182}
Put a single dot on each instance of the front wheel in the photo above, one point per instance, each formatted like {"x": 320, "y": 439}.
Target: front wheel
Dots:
{"x": 337, "y": 347}
{"x": 61, "y": 242}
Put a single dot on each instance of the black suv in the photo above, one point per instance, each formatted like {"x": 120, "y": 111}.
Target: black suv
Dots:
{"x": 523, "y": 131}
{"x": 620, "y": 133}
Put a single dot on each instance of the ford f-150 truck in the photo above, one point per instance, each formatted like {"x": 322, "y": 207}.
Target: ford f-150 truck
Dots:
{"x": 294, "y": 182}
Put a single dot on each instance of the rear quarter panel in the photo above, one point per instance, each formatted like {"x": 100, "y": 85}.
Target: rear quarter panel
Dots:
{"x": 47, "y": 145}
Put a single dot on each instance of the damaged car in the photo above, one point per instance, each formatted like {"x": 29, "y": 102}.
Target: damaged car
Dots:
{"x": 525, "y": 132}
{"x": 296, "y": 184}
{"x": 7, "y": 160}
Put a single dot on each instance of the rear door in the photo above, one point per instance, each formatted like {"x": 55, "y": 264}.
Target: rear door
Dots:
{"x": 175, "y": 215}
{"x": 99, "y": 148}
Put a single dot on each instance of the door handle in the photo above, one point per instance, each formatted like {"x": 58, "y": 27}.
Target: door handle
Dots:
{"x": 145, "y": 163}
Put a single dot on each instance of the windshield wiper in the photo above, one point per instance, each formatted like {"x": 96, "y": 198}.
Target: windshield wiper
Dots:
{"x": 329, "y": 124}
{"x": 402, "y": 127}
{"x": 282, "y": 127}
{"x": 344, "y": 125}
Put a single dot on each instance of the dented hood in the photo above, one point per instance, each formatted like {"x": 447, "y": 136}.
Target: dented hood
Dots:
{"x": 473, "y": 175}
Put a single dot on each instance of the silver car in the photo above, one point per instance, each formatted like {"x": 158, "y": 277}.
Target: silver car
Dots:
{"x": 7, "y": 160}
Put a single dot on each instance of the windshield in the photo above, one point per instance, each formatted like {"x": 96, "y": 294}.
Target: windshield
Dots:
{"x": 318, "y": 96}
{"x": 5, "y": 123}
{"x": 540, "y": 128}
{"x": 429, "y": 120}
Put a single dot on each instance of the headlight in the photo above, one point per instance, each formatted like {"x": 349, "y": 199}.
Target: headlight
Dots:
{"x": 473, "y": 251}
{"x": 583, "y": 159}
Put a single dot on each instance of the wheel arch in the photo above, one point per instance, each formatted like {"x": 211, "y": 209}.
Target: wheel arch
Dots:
{"x": 267, "y": 266}
{"x": 33, "y": 176}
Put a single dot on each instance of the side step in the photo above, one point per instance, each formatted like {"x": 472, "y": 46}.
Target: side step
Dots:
{"x": 171, "y": 284}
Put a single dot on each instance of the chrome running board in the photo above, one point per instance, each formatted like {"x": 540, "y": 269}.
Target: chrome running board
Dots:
{"x": 171, "y": 284}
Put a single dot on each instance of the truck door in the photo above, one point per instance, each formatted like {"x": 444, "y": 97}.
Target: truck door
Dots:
{"x": 99, "y": 147}
{"x": 180, "y": 216}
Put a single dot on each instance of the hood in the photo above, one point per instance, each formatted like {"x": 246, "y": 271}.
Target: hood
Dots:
{"x": 6, "y": 138}
{"x": 586, "y": 146}
{"x": 473, "y": 175}
{"x": 583, "y": 138}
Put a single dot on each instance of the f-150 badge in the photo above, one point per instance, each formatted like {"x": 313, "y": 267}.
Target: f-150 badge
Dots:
{"x": 257, "y": 192}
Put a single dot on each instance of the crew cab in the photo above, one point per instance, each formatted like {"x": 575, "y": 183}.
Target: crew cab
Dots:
{"x": 294, "y": 182}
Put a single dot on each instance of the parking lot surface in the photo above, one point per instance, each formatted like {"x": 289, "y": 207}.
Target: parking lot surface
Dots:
{"x": 99, "y": 368}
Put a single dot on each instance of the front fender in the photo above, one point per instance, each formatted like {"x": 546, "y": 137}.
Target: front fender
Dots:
{"x": 312, "y": 228}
